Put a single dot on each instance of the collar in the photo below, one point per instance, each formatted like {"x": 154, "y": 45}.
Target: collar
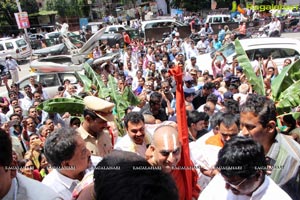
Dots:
{"x": 261, "y": 189}
{"x": 66, "y": 181}
{"x": 84, "y": 134}
{"x": 274, "y": 150}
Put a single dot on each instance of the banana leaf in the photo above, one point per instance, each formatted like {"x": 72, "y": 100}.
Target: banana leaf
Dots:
{"x": 62, "y": 105}
{"x": 289, "y": 98}
{"x": 256, "y": 82}
{"x": 288, "y": 76}
{"x": 117, "y": 98}
{"x": 129, "y": 96}
{"x": 104, "y": 92}
{"x": 295, "y": 115}
{"x": 85, "y": 80}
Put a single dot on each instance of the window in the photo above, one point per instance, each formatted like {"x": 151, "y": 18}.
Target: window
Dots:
{"x": 226, "y": 19}
{"x": 9, "y": 45}
{"x": 1, "y": 47}
{"x": 21, "y": 43}
{"x": 25, "y": 82}
{"x": 217, "y": 19}
{"x": 71, "y": 77}
{"x": 288, "y": 53}
{"x": 49, "y": 80}
{"x": 112, "y": 29}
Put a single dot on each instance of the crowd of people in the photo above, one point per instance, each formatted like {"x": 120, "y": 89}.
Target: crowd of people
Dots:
{"x": 237, "y": 145}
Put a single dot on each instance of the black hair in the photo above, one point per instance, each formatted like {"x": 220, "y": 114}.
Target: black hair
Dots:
{"x": 129, "y": 179}
{"x": 260, "y": 106}
{"x": 60, "y": 146}
{"x": 194, "y": 116}
{"x": 208, "y": 85}
{"x": 73, "y": 119}
{"x": 14, "y": 114}
{"x": 215, "y": 119}
{"x": 232, "y": 106}
{"x": 90, "y": 113}
{"x": 5, "y": 149}
{"x": 242, "y": 157}
{"x": 229, "y": 119}
{"x": 212, "y": 98}
{"x": 133, "y": 117}
{"x": 154, "y": 96}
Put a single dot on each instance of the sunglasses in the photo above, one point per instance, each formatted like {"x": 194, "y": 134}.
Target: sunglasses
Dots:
{"x": 236, "y": 186}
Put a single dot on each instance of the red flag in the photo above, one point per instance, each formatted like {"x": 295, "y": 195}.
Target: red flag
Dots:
{"x": 186, "y": 179}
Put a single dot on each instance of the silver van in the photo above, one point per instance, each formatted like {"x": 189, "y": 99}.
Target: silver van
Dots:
{"x": 18, "y": 48}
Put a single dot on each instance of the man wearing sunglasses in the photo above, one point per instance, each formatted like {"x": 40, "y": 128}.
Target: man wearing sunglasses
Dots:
{"x": 242, "y": 167}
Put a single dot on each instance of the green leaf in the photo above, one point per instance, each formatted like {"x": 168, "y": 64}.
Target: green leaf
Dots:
{"x": 256, "y": 82}
{"x": 289, "y": 98}
{"x": 62, "y": 105}
{"x": 288, "y": 76}
{"x": 85, "y": 80}
{"x": 295, "y": 115}
{"x": 104, "y": 92}
{"x": 129, "y": 96}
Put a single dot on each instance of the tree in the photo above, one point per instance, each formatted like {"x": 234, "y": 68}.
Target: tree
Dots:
{"x": 7, "y": 9}
{"x": 69, "y": 8}
{"x": 30, "y": 6}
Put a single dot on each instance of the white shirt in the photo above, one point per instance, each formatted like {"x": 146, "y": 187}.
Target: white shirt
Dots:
{"x": 61, "y": 184}
{"x": 26, "y": 188}
{"x": 11, "y": 64}
{"x": 268, "y": 190}
{"x": 126, "y": 144}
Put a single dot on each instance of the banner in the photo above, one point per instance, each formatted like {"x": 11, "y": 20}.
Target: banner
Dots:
{"x": 22, "y": 20}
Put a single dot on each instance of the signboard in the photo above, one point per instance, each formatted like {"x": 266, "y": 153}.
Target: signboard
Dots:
{"x": 22, "y": 20}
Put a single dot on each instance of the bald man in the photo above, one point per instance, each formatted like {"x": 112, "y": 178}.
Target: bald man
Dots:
{"x": 165, "y": 149}
{"x": 165, "y": 152}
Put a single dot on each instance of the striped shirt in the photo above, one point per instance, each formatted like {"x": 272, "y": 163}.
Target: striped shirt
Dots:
{"x": 284, "y": 162}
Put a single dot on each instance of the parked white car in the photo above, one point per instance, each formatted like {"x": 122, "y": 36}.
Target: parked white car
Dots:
{"x": 168, "y": 22}
{"x": 51, "y": 81}
{"x": 18, "y": 48}
{"x": 279, "y": 48}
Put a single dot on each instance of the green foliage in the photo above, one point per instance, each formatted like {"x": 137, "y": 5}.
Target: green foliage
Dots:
{"x": 30, "y": 6}
{"x": 69, "y": 8}
{"x": 104, "y": 92}
{"x": 289, "y": 98}
{"x": 256, "y": 82}
{"x": 85, "y": 80}
{"x": 61, "y": 105}
{"x": 121, "y": 101}
{"x": 288, "y": 76}
{"x": 285, "y": 87}
{"x": 295, "y": 115}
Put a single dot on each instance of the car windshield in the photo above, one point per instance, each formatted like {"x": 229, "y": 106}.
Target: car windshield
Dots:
{"x": 227, "y": 51}
{"x": 21, "y": 43}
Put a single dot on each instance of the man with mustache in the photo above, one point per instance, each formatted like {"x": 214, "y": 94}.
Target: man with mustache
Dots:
{"x": 69, "y": 157}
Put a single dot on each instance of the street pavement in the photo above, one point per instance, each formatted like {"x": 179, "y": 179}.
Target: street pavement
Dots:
{"x": 25, "y": 67}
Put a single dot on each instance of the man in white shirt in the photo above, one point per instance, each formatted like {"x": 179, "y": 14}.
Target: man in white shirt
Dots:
{"x": 274, "y": 27}
{"x": 12, "y": 66}
{"x": 242, "y": 165}
{"x": 66, "y": 151}
{"x": 136, "y": 140}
